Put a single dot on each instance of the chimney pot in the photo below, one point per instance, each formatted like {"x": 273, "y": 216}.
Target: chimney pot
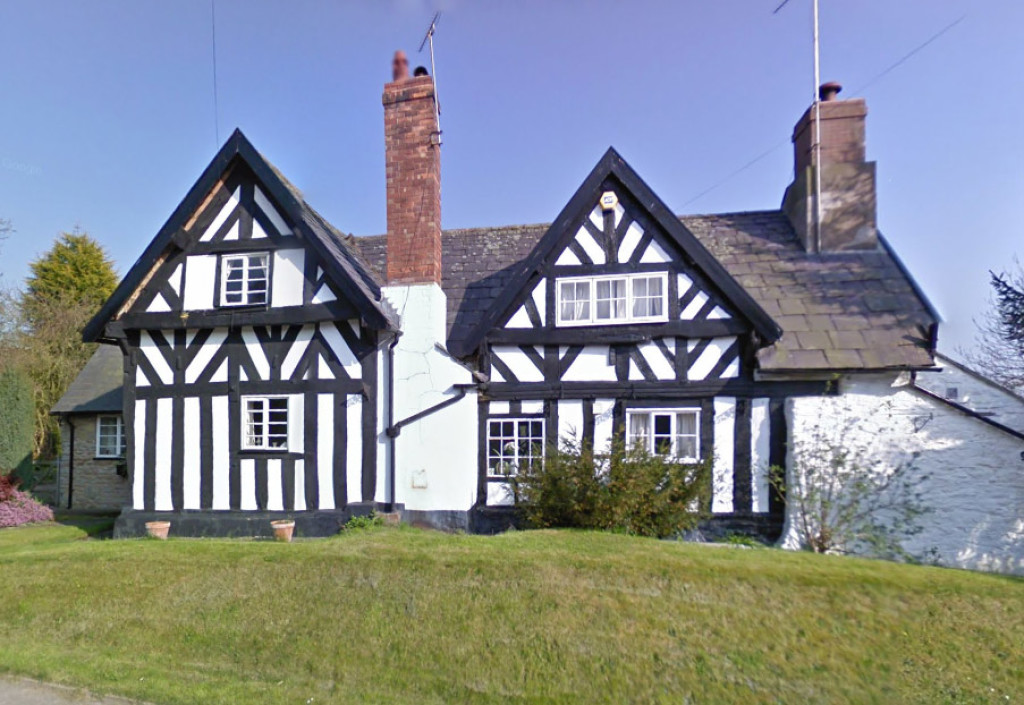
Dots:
{"x": 399, "y": 66}
{"x": 827, "y": 92}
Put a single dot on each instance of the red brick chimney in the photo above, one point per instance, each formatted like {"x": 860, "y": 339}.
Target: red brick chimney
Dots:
{"x": 848, "y": 196}
{"x": 413, "y": 160}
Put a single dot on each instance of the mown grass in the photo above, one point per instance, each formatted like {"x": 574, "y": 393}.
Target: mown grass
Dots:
{"x": 405, "y": 616}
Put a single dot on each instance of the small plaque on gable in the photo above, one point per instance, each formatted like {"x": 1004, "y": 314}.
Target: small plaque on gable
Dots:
{"x": 609, "y": 200}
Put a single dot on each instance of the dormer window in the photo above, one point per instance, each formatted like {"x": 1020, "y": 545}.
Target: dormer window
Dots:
{"x": 624, "y": 298}
{"x": 244, "y": 279}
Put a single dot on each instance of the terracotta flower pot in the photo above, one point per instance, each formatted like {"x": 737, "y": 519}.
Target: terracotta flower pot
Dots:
{"x": 283, "y": 529}
{"x": 158, "y": 529}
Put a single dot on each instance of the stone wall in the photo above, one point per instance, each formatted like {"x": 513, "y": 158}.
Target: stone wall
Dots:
{"x": 975, "y": 485}
{"x": 98, "y": 487}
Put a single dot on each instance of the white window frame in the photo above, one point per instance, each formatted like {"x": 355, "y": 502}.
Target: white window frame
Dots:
{"x": 629, "y": 318}
{"x": 672, "y": 413}
{"x": 119, "y": 435}
{"x": 265, "y": 436}
{"x": 245, "y": 292}
{"x": 493, "y": 473}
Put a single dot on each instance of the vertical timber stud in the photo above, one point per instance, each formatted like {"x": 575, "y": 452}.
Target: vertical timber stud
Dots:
{"x": 205, "y": 452}
{"x": 742, "y": 500}
{"x": 369, "y": 420}
{"x": 339, "y": 472}
{"x": 777, "y": 453}
{"x": 483, "y": 411}
{"x": 309, "y": 450}
{"x": 707, "y": 441}
{"x": 233, "y": 343}
{"x": 178, "y": 424}
{"x": 588, "y": 424}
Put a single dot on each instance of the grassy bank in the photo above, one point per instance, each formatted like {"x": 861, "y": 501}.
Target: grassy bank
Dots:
{"x": 404, "y": 616}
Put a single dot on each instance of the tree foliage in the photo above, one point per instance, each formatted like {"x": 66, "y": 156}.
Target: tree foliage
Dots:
{"x": 17, "y": 427}
{"x": 41, "y": 326}
{"x": 76, "y": 270}
{"x": 625, "y": 489}
{"x": 998, "y": 350}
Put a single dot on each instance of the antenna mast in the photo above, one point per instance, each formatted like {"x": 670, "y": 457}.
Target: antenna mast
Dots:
{"x": 817, "y": 125}
{"x": 429, "y": 39}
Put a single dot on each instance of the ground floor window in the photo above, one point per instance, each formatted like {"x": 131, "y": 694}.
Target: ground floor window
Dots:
{"x": 674, "y": 432}
{"x": 513, "y": 444}
{"x": 265, "y": 423}
{"x": 110, "y": 438}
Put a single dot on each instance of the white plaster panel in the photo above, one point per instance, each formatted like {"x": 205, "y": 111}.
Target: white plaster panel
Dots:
{"x": 499, "y": 494}
{"x": 570, "y": 420}
{"x": 190, "y": 459}
{"x": 155, "y": 357}
{"x": 591, "y": 246}
{"x": 288, "y": 277}
{"x": 205, "y": 354}
{"x": 221, "y": 373}
{"x": 296, "y": 423}
{"x": 597, "y": 217}
{"x": 630, "y": 240}
{"x": 518, "y": 362}
{"x": 662, "y": 368}
{"x": 655, "y": 254}
{"x": 341, "y": 350}
{"x": 221, "y": 217}
{"x": 520, "y": 319}
{"x": 324, "y": 295}
{"x": 567, "y": 258}
{"x": 703, "y": 365}
{"x": 498, "y": 407}
{"x": 140, "y": 378}
{"x": 539, "y": 296}
{"x": 532, "y": 407}
{"x": 604, "y": 424}
{"x": 232, "y": 233}
{"x": 354, "y": 447}
{"x": 718, "y": 313}
{"x": 300, "y": 485}
{"x": 725, "y": 436}
{"x": 693, "y": 308}
{"x": 322, "y": 370}
{"x": 591, "y": 365}
{"x": 272, "y": 214}
{"x": 174, "y": 281}
{"x": 247, "y": 484}
{"x": 162, "y": 462}
{"x": 138, "y": 464}
{"x": 221, "y": 453}
{"x": 296, "y": 351}
{"x": 256, "y": 354}
{"x": 200, "y": 276}
{"x": 325, "y": 450}
{"x": 158, "y": 305}
{"x": 975, "y": 476}
{"x": 760, "y": 449}
{"x": 275, "y": 486}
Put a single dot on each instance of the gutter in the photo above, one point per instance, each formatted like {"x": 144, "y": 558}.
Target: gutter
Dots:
{"x": 391, "y": 418}
{"x": 965, "y": 410}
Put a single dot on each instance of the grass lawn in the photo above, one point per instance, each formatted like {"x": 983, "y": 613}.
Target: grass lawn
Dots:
{"x": 407, "y": 616}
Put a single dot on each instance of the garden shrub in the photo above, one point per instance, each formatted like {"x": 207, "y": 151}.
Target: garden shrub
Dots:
{"x": 18, "y": 507}
{"x": 625, "y": 489}
{"x": 17, "y": 423}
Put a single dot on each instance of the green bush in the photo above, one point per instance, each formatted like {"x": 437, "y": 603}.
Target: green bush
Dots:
{"x": 625, "y": 489}
{"x": 17, "y": 423}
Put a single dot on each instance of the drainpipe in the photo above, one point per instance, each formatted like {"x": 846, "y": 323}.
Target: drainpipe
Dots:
{"x": 71, "y": 462}
{"x": 391, "y": 418}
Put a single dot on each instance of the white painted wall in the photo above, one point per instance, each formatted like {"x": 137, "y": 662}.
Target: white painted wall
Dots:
{"x": 976, "y": 484}
{"x": 436, "y": 457}
{"x": 982, "y": 396}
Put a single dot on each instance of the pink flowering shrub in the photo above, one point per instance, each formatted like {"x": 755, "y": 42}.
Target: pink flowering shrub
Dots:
{"x": 17, "y": 507}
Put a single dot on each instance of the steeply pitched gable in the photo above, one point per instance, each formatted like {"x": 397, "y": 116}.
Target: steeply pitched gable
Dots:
{"x": 241, "y": 196}
{"x": 642, "y": 232}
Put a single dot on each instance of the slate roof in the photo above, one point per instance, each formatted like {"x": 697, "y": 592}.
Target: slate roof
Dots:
{"x": 838, "y": 311}
{"x": 97, "y": 389}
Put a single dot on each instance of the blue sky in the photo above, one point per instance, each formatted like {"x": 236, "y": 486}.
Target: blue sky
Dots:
{"x": 108, "y": 112}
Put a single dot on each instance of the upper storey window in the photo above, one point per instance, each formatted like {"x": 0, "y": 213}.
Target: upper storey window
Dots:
{"x": 626, "y": 298}
{"x": 244, "y": 279}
